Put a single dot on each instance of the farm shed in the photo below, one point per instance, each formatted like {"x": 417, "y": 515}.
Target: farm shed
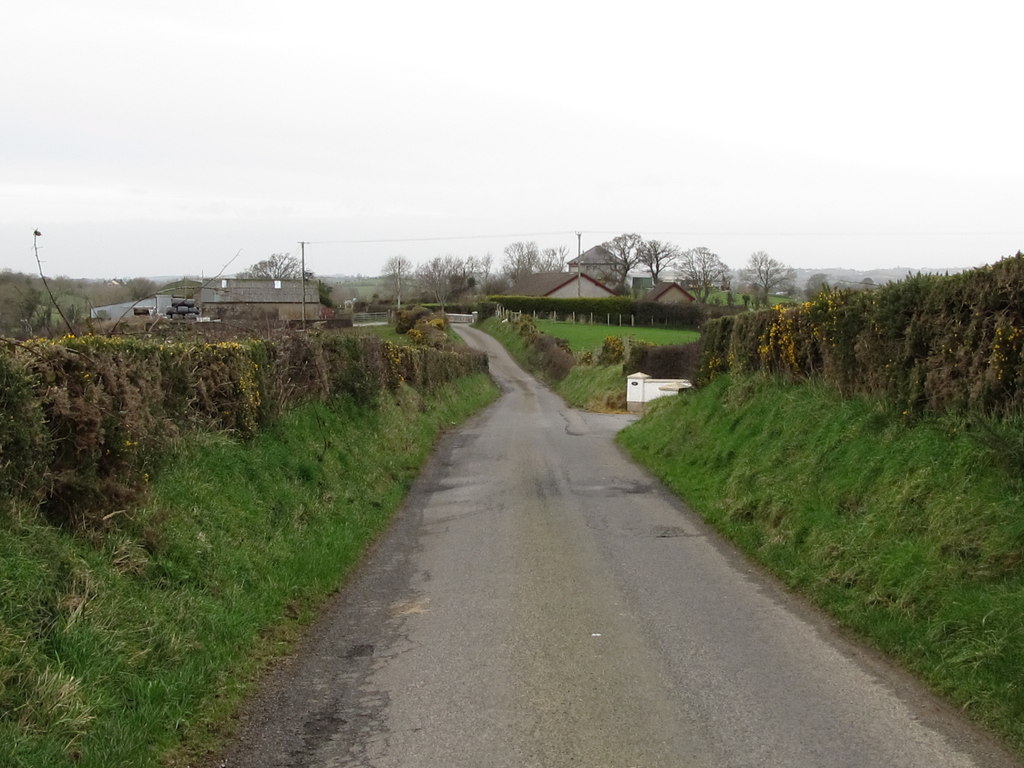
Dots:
{"x": 241, "y": 299}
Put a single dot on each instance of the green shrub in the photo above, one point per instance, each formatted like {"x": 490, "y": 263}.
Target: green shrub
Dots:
{"x": 613, "y": 350}
{"x": 675, "y": 361}
{"x": 408, "y": 318}
{"x": 485, "y": 309}
{"x": 635, "y": 356}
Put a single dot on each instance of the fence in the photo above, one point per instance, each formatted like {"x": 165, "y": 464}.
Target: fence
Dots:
{"x": 371, "y": 318}
{"x": 580, "y": 318}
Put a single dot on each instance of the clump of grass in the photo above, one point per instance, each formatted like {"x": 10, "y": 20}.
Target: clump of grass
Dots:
{"x": 906, "y": 530}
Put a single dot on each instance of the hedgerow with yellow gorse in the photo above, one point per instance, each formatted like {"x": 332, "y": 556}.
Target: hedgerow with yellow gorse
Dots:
{"x": 930, "y": 343}
{"x": 84, "y": 421}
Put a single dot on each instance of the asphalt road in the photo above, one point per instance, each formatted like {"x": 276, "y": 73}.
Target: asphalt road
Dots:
{"x": 542, "y": 601}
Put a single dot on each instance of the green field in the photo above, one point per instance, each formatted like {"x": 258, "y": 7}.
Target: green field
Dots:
{"x": 722, "y": 298}
{"x": 582, "y": 337}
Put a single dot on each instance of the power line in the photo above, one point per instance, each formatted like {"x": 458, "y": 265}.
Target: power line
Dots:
{"x": 821, "y": 233}
{"x": 435, "y": 239}
{"x": 686, "y": 233}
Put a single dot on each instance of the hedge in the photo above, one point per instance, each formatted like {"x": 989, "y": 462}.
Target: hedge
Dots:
{"x": 690, "y": 315}
{"x": 930, "y": 342}
{"x": 85, "y": 421}
{"x": 665, "y": 361}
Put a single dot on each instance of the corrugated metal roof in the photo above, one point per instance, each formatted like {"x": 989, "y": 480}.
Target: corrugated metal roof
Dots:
{"x": 236, "y": 291}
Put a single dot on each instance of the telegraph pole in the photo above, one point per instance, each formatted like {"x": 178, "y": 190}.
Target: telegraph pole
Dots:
{"x": 579, "y": 257}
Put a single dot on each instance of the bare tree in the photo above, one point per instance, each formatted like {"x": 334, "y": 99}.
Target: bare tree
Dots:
{"x": 485, "y": 277}
{"x": 657, "y": 256}
{"x": 492, "y": 282}
{"x": 552, "y": 259}
{"x": 279, "y": 266}
{"x": 521, "y": 259}
{"x": 397, "y": 275}
{"x": 702, "y": 270}
{"x": 436, "y": 277}
{"x": 767, "y": 275}
{"x": 625, "y": 254}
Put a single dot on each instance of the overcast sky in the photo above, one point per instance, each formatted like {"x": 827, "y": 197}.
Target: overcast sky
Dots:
{"x": 165, "y": 137}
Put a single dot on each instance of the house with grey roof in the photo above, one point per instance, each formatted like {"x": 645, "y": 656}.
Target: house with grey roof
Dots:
{"x": 561, "y": 285}
{"x": 598, "y": 262}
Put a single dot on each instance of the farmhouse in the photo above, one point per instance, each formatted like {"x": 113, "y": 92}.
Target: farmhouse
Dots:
{"x": 561, "y": 285}
{"x": 598, "y": 262}
{"x": 669, "y": 293}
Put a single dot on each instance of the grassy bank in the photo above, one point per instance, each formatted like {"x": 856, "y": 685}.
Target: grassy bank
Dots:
{"x": 131, "y": 645}
{"x": 600, "y": 388}
{"x": 910, "y": 532}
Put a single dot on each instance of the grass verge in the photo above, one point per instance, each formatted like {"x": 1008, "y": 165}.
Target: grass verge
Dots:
{"x": 911, "y": 533}
{"x": 133, "y": 645}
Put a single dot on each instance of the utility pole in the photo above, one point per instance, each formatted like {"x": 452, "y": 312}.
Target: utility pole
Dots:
{"x": 302, "y": 266}
{"x": 579, "y": 257}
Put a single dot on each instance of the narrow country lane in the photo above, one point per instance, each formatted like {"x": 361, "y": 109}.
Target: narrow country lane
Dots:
{"x": 541, "y": 601}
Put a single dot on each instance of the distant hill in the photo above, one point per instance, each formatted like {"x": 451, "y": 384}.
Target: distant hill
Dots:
{"x": 840, "y": 277}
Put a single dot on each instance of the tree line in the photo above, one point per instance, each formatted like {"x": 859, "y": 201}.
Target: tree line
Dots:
{"x": 448, "y": 278}
{"x": 442, "y": 279}
{"x": 27, "y": 309}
